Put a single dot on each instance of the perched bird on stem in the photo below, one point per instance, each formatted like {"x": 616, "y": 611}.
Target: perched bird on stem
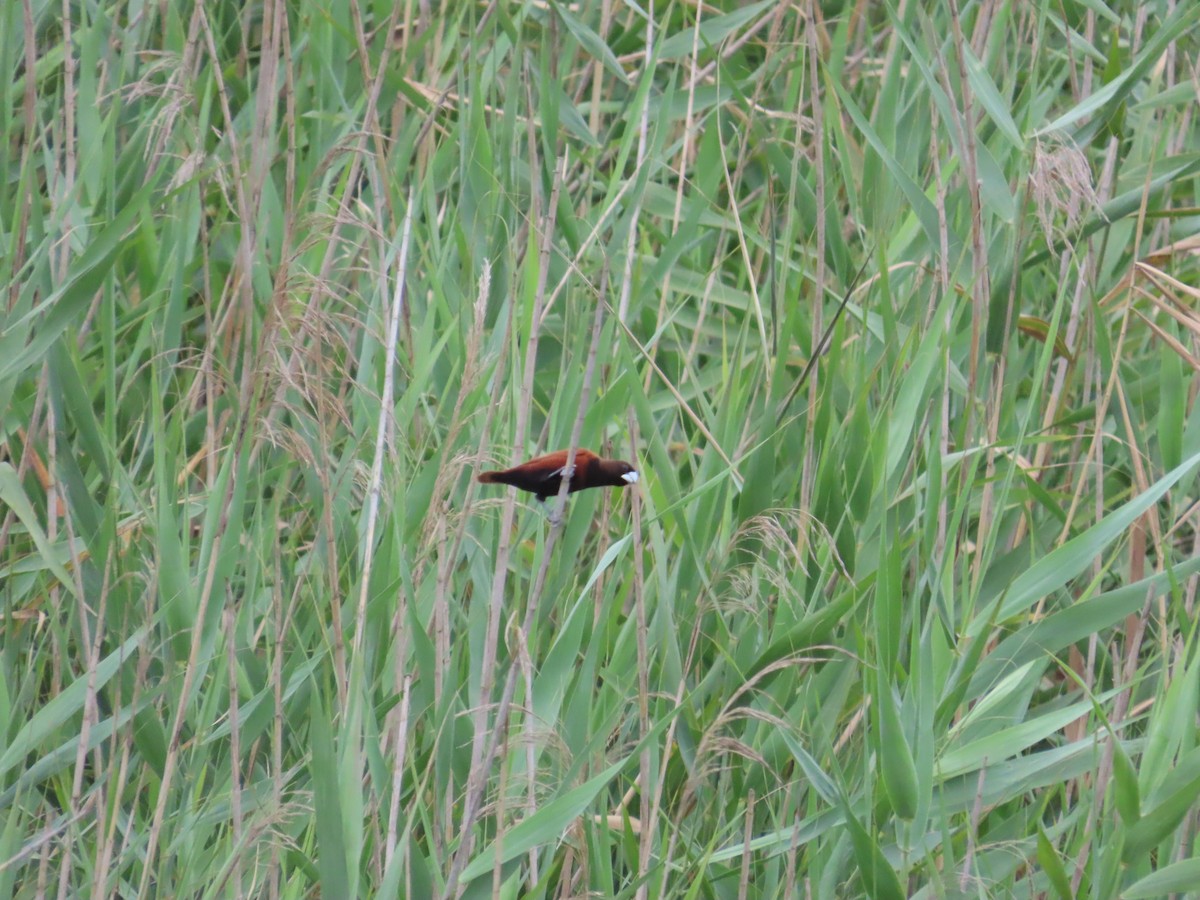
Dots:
{"x": 543, "y": 475}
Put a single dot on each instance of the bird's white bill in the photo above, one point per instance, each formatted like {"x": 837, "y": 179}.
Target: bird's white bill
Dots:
{"x": 629, "y": 478}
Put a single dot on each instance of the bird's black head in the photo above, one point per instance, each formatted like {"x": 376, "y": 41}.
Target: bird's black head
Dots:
{"x": 616, "y": 472}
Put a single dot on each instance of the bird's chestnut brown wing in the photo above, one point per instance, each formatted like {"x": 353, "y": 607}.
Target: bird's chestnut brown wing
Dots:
{"x": 552, "y": 476}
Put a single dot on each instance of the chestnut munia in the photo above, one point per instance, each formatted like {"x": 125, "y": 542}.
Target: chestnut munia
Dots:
{"x": 543, "y": 475}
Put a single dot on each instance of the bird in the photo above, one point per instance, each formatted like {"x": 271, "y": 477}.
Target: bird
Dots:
{"x": 543, "y": 475}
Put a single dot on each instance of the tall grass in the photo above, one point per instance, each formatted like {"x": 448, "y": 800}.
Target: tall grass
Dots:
{"x": 894, "y": 305}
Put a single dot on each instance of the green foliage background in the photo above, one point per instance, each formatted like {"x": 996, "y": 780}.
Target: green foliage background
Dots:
{"x": 904, "y": 612}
